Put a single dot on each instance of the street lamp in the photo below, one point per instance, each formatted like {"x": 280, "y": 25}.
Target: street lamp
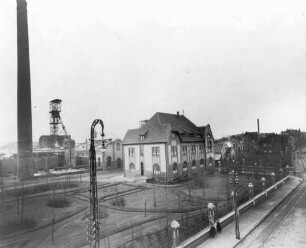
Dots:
{"x": 233, "y": 178}
{"x": 103, "y": 149}
{"x": 251, "y": 190}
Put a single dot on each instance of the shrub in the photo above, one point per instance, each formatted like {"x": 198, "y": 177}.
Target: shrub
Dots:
{"x": 199, "y": 182}
{"x": 118, "y": 201}
{"x": 102, "y": 214}
{"x": 58, "y": 203}
{"x": 12, "y": 226}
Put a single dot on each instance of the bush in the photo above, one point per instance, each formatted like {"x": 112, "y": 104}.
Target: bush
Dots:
{"x": 30, "y": 190}
{"x": 118, "y": 201}
{"x": 199, "y": 182}
{"x": 59, "y": 203}
{"x": 12, "y": 226}
{"x": 102, "y": 214}
{"x": 211, "y": 170}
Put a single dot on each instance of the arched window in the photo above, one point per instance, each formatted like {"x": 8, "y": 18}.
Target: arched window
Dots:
{"x": 119, "y": 162}
{"x": 174, "y": 168}
{"x": 210, "y": 161}
{"x": 194, "y": 164}
{"x": 209, "y": 144}
{"x": 132, "y": 168}
{"x": 201, "y": 162}
{"x": 185, "y": 166}
{"x": 156, "y": 169}
{"x": 118, "y": 148}
{"x": 109, "y": 161}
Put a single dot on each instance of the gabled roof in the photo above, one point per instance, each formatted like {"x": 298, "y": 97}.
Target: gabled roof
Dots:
{"x": 178, "y": 123}
{"x": 159, "y": 128}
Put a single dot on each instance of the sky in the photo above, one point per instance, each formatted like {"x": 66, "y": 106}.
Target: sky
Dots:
{"x": 224, "y": 63}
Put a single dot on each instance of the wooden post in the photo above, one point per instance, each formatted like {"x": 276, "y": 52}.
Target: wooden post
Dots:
{"x": 53, "y": 193}
{"x": 2, "y": 191}
{"x": 53, "y": 231}
{"x": 154, "y": 197}
{"x": 22, "y": 205}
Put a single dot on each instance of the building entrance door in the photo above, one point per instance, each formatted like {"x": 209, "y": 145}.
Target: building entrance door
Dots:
{"x": 141, "y": 168}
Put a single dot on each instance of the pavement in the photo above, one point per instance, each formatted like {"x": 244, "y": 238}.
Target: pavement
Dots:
{"x": 285, "y": 227}
{"x": 250, "y": 219}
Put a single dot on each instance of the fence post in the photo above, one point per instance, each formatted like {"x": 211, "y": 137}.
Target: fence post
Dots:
{"x": 251, "y": 190}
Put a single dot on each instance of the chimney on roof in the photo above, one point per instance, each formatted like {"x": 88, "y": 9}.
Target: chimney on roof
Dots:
{"x": 177, "y": 114}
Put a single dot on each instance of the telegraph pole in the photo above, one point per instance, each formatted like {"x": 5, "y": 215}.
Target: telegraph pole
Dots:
{"x": 233, "y": 178}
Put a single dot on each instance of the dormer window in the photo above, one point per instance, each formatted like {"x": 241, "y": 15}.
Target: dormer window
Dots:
{"x": 142, "y": 137}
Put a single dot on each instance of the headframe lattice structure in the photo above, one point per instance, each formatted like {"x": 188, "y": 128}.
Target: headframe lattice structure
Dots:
{"x": 94, "y": 221}
{"x": 55, "y": 117}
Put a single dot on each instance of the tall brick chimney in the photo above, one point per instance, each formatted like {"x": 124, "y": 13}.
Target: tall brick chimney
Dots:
{"x": 24, "y": 109}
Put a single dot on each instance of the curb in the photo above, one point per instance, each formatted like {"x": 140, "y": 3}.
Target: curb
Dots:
{"x": 267, "y": 214}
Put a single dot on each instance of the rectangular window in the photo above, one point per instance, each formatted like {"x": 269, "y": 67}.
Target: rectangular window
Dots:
{"x": 201, "y": 148}
{"x": 142, "y": 137}
{"x": 209, "y": 145}
{"x": 193, "y": 149}
{"x": 184, "y": 150}
{"x": 131, "y": 152}
{"x": 141, "y": 150}
{"x": 155, "y": 151}
{"x": 173, "y": 150}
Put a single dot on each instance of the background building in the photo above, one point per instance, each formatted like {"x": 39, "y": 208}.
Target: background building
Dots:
{"x": 108, "y": 158}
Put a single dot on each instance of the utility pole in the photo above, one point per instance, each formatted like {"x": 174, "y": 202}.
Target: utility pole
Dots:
{"x": 233, "y": 178}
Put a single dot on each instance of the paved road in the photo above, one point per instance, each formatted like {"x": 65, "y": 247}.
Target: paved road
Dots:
{"x": 284, "y": 227}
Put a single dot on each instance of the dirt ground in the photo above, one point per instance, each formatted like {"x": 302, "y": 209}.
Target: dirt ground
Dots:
{"x": 141, "y": 209}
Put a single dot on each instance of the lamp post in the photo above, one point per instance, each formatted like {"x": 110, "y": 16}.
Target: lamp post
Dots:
{"x": 103, "y": 149}
{"x": 94, "y": 218}
{"x": 263, "y": 183}
{"x": 233, "y": 178}
{"x": 251, "y": 190}
{"x": 175, "y": 227}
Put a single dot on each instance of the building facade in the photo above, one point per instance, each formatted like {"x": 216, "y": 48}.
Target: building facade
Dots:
{"x": 168, "y": 147}
{"x": 108, "y": 157}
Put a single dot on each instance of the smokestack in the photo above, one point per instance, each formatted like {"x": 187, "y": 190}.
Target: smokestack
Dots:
{"x": 24, "y": 109}
{"x": 177, "y": 114}
{"x": 258, "y": 131}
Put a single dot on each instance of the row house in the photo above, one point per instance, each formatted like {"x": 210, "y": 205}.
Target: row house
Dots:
{"x": 167, "y": 147}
